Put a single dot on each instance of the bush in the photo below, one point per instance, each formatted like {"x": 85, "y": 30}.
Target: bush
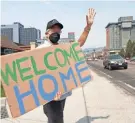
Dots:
{"x": 2, "y": 93}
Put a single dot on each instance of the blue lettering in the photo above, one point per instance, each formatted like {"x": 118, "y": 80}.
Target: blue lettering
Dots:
{"x": 67, "y": 77}
{"x": 45, "y": 95}
{"x": 20, "y": 97}
{"x": 85, "y": 79}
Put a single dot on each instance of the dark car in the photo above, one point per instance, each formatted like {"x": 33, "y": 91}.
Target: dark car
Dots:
{"x": 115, "y": 61}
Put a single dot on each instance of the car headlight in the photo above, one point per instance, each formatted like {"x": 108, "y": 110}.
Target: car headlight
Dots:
{"x": 112, "y": 62}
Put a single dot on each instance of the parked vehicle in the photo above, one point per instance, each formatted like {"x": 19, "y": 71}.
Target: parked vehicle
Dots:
{"x": 89, "y": 59}
{"x": 127, "y": 58}
{"x": 132, "y": 59}
{"x": 114, "y": 61}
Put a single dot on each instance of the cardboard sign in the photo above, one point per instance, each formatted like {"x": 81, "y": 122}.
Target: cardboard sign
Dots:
{"x": 32, "y": 78}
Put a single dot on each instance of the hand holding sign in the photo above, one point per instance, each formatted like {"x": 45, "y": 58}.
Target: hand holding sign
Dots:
{"x": 58, "y": 95}
{"x": 90, "y": 17}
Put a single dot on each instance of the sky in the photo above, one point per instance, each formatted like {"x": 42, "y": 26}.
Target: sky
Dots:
{"x": 71, "y": 14}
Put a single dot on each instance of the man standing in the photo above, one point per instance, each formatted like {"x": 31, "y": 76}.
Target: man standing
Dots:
{"x": 54, "y": 109}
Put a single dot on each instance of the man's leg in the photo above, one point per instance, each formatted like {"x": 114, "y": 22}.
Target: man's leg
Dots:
{"x": 63, "y": 104}
{"x": 54, "y": 111}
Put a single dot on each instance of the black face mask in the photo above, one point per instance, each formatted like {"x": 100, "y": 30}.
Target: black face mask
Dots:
{"x": 54, "y": 37}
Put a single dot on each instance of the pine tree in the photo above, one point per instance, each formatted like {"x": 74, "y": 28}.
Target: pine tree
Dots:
{"x": 133, "y": 48}
{"x": 129, "y": 48}
{"x": 122, "y": 52}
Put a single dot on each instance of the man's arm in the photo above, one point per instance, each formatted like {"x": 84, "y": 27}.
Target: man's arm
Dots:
{"x": 89, "y": 20}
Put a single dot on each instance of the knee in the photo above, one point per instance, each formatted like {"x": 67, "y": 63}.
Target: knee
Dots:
{"x": 57, "y": 116}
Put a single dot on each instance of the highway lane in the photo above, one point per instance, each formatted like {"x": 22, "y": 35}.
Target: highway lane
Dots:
{"x": 124, "y": 76}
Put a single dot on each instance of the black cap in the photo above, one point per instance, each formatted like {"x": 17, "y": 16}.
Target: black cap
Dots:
{"x": 53, "y": 22}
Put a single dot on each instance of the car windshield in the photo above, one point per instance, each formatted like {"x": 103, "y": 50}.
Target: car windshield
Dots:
{"x": 115, "y": 57}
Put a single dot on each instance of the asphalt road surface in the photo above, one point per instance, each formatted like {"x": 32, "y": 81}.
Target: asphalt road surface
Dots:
{"x": 123, "y": 77}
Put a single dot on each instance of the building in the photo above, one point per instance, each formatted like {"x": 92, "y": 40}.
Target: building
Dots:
{"x": 40, "y": 41}
{"x": 38, "y": 34}
{"x": 118, "y": 33}
{"x": 12, "y": 31}
{"x": 71, "y": 38}
{"x": 8, "y": 47}
{"x": 28, "y": 35}
{"x": 64, "y": 40}
{"x": 7, "y": 32}
{"x": 17, "y": 33}
{"x": 28, "y": 47}
{"x": 71, "y": 35}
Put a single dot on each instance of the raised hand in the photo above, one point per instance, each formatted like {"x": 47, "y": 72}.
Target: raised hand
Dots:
{"x": 58, "y": 95}
{"x": 90, "y": 17}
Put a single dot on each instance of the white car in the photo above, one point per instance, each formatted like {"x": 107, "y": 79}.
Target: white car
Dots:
{"x": 89, "y": 59}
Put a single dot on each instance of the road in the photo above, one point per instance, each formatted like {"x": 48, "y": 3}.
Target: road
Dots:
{"x": 123, "y": 77}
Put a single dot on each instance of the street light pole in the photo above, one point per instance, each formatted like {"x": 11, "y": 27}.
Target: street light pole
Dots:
{"x": 94, "y": 54}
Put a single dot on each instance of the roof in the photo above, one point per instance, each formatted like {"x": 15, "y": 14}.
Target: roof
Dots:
{"x": 25, "y": 47}
{"x": 18, "y": 44}
{"x": 110, "y": 24}
{"x": 5, "y": 43}
{"x": 116, "y": 23}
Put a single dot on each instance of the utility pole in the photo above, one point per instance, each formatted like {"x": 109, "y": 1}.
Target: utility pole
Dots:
{"x": 94, "y": 54}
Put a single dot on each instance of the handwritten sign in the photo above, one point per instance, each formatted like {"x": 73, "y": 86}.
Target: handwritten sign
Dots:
{"x": 32, "y": 78}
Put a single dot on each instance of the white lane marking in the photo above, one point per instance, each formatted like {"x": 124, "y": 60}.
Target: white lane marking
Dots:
{"x": 127, "y": 84}
{"x": 104, "y": 73}
{"x": 129, "y": 79}
{"x": 118, "y": 80}
{"x": 130, "y": 86}
{"x": 109, "y": 76}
